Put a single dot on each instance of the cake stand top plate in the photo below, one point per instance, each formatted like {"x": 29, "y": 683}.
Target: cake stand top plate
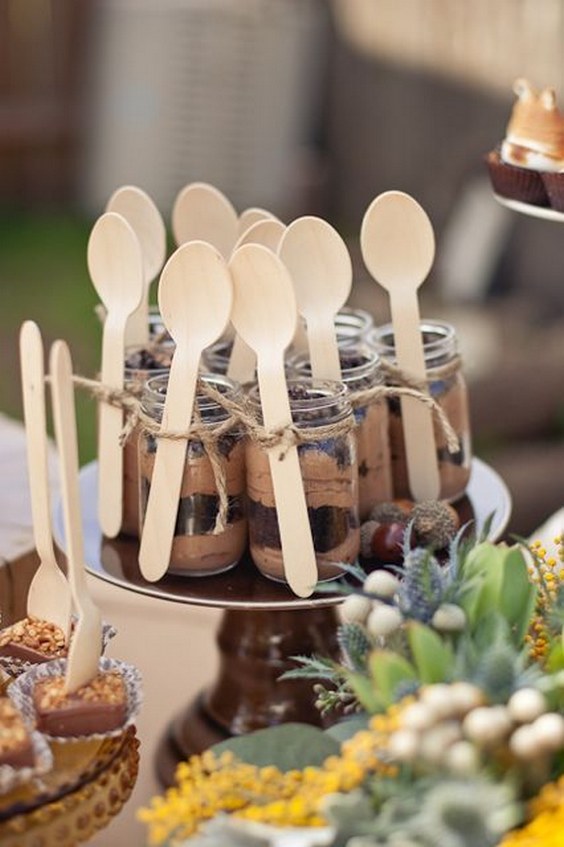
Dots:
{"x": 528, "y": 209}
{"x": 243, "y": 587}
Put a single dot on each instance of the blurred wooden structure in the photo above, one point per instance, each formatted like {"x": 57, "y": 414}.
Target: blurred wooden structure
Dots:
{"x": 485, "y": 43}
{"x": 42, "y": 52}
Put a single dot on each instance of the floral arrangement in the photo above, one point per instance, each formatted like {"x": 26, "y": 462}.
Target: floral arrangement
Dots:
{"x": 450, "y": 699}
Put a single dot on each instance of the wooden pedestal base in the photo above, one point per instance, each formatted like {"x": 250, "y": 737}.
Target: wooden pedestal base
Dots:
{"x": 255, "y": 649}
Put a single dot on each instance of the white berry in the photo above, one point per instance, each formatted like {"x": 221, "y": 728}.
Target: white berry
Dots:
{"x": 526, "y": 705}
{"x": 486, "y": 725}
{"x": 438, "y": 698}
{"x": 383, "y": 620}
{"x": 524, "y": 744}
{"x": 417, "y": 716}
{"x": 403, "y": 745}
{"x": 355, "y": 609}
{"x": 449, "y": 618}
{"x": 464, "y": 696}
{"x": 382, "y": 583}
{"x": 462, "y": 758}
{"x": 549, "y": 732}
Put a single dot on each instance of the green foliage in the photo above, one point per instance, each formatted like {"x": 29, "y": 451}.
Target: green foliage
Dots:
{"x": 433, "y": 657}
{"x": 289, "y": 746}
{"x": 389, "y": 673}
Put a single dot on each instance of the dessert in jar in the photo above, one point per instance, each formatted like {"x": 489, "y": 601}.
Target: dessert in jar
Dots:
{"x": 140, "y": 364}
{"x": 330, "y": 479}
{"x": 447, "y": 387}
{"x": 360, "y": 370}
{"x": 528, "y": 164}
{"x": 197, "y": 549}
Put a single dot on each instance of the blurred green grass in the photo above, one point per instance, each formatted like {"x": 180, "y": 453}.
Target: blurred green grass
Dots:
{"x": 43, "y": 277}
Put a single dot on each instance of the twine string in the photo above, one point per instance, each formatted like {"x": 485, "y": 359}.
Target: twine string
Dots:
{"x": 241, "y": 417}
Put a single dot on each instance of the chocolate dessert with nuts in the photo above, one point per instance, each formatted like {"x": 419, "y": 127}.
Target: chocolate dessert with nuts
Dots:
{"x": 32, "y": 640}
{"x": 16, "y": 749}
{"x": 99, "y": 706}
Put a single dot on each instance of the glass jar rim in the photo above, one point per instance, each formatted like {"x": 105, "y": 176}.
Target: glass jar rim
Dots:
{"x": 370, "y": 366}
{"x": 439, "y": 339}
{"x": 155, "y": 389}
{"x": 321, "y": 395}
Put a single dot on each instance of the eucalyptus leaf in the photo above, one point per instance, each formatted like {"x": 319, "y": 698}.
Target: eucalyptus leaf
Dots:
{"x": 366, "y": 694}
{"x": 288, "y": 746}
{"x": 345, "y": 729}
{"x": 433, "y": 657}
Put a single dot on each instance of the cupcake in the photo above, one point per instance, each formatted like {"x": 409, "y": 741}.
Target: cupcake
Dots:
{"x": 532, "y": 150}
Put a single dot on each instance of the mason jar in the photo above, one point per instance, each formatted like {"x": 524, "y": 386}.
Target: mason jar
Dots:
{"x": 361, "y": 371}
{"x": 447, "y": 385}
{"x": 352, "y": 326}
{"x": 196, "y": 549}
{"x": 330, "y": 479}
{"x": 141, "y": 363}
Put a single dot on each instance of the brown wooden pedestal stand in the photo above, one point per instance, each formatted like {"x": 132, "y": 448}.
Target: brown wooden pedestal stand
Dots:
{"x": 263, "y": 626}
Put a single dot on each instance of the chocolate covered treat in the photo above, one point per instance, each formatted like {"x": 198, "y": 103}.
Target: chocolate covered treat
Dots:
{"x": 100, "y": 706}
{"x": 16, "y": 749}
{"x": 32, "y": 640}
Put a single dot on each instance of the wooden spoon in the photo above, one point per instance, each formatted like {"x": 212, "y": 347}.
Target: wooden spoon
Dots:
{"x": 398, "y": 248}
{"x": 49, "y": 596}
{"x": 142, "y": 215}
{"x": 321, "y": 270}
{"x": 264, "y": 314}
{"x": 86, "y": 642}
{"x": 116, "y": 268}
{"x": 202, "y": 213}
{"x": 250, "y": 216}
{"x": 243, "y": 361}
{"x": 195, "y": 296}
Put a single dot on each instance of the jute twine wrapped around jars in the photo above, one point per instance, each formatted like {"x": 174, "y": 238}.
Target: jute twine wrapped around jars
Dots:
{"x": 241, "y": 418}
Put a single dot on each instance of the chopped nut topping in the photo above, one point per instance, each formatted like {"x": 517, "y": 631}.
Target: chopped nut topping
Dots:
{"x": 108, "y": 688}
{"x": 13, "y": 732}
{"x": 35, "y": 634}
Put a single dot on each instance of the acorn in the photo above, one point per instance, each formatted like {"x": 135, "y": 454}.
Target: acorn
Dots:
{"x": 435, "y": 523}
{"x": 392, "y": 511}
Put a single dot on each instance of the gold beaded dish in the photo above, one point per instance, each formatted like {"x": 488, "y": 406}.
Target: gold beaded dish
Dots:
{"x": 89, "y": 784}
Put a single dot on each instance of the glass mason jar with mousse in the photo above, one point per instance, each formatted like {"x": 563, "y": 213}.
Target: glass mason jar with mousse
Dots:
{"x": 198, "y": 549}
{"x": 329, "y": 474}
{"x": 447, "y": 386}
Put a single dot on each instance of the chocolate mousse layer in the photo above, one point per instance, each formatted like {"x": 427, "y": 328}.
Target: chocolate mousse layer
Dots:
{"x": 140, "y": 364}
{"x": 99, "y": 706}
{"x": 454, "y": 468}
{"x": 330, "y": 480}
{"x": 198, "y": 550}
{"x": 16, "y": 749}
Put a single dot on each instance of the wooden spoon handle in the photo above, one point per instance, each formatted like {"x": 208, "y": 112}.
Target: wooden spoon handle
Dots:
{"x": 242, "y": 362}
{"x": 417, "y": 421}
{"x": 162, "y": 504}
{"x": 33, "y": 392}
{"x": 298, "y": 552}
{"x": 137, "y": 327}
{"x": 64, "y": 418}
{"x": 324, "y": 351}
{"x": 110, "y": 452}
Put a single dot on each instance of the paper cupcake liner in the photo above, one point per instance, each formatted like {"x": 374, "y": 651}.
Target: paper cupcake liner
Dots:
{"x": 15, "y": 667}
{"x": 21, "y": 693}
{"x": 11, "y": 778}
{"x": 554, "y": 185}
{"x": 515, "y": 183}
